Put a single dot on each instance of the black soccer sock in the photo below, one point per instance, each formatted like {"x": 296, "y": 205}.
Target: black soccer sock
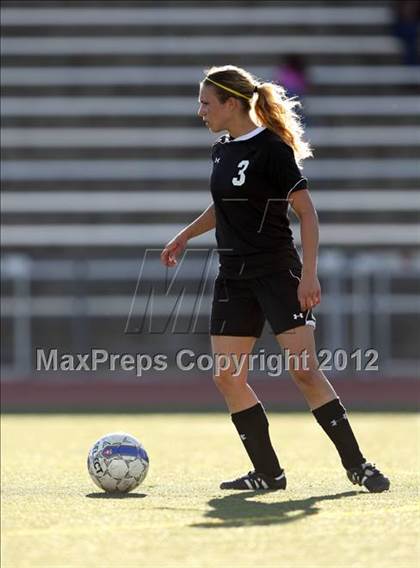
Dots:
{"x": 333, "y": 419}
{"x": 252, "y": 427}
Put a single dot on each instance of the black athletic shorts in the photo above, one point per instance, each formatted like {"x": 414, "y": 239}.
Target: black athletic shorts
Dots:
{"x": 240, "y": 307}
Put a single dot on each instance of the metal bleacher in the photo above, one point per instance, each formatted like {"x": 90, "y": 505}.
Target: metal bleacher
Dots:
{"x": 96, "y": 103}
{"x": 103, "y": 154}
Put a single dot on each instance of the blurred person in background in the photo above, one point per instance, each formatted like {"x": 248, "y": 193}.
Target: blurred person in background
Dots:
{"x": 406, "y": 28}
{"x": 291, "y": 73}
{"x": 261, "y": 274}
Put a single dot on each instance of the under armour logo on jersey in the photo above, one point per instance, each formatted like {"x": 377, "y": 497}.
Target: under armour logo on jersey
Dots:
{"x": 335, "y": 422}
{"x": 216, "y": 160}
{"x": 299, "y": 315}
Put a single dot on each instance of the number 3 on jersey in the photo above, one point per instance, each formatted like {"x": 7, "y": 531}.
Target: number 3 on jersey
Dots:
{"x": 240, "y": 178}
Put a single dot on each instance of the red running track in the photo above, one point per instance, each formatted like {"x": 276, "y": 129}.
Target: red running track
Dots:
{"x": 60, "y": 395}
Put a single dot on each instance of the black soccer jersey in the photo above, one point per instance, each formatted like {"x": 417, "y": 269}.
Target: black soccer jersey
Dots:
{"x": 252, "y": 177}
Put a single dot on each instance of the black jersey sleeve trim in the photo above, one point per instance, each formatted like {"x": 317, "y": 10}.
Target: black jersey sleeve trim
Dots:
{"x": 300, "y": 184}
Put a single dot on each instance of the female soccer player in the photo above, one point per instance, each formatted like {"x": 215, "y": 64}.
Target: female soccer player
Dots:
{"x": 255, "y": 178}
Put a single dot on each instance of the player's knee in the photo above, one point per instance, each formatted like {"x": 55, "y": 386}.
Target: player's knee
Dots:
{"x": 227, "y": 381}
{"x": 305, "y": 377}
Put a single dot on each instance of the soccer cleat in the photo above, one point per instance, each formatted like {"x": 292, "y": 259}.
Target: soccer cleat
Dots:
{"x": 370, "y": 477}
{"x": 256, "y": 481}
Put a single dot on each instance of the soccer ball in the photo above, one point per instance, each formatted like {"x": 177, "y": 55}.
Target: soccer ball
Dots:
{"x": 118, "y": 463}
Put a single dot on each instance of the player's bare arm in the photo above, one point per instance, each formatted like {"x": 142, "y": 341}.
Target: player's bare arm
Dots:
{"x": 205, "y": 222}
{"x": 309, "y": 290}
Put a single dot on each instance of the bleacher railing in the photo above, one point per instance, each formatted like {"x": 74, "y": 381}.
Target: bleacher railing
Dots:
{"x": 370, "y": 302}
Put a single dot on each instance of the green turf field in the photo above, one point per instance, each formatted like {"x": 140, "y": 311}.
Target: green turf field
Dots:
{"x": 53, "y": 514}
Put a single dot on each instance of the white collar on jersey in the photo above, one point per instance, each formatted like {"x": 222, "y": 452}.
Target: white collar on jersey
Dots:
{"x": 249, "y": 135}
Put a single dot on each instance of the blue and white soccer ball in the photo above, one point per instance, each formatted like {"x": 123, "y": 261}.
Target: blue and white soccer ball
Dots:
{"x": 118, "y": 463}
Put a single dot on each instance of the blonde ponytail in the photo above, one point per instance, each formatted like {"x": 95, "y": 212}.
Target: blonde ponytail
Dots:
{"x": 268, "y": 101}
{"x": 277, "y": 113}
